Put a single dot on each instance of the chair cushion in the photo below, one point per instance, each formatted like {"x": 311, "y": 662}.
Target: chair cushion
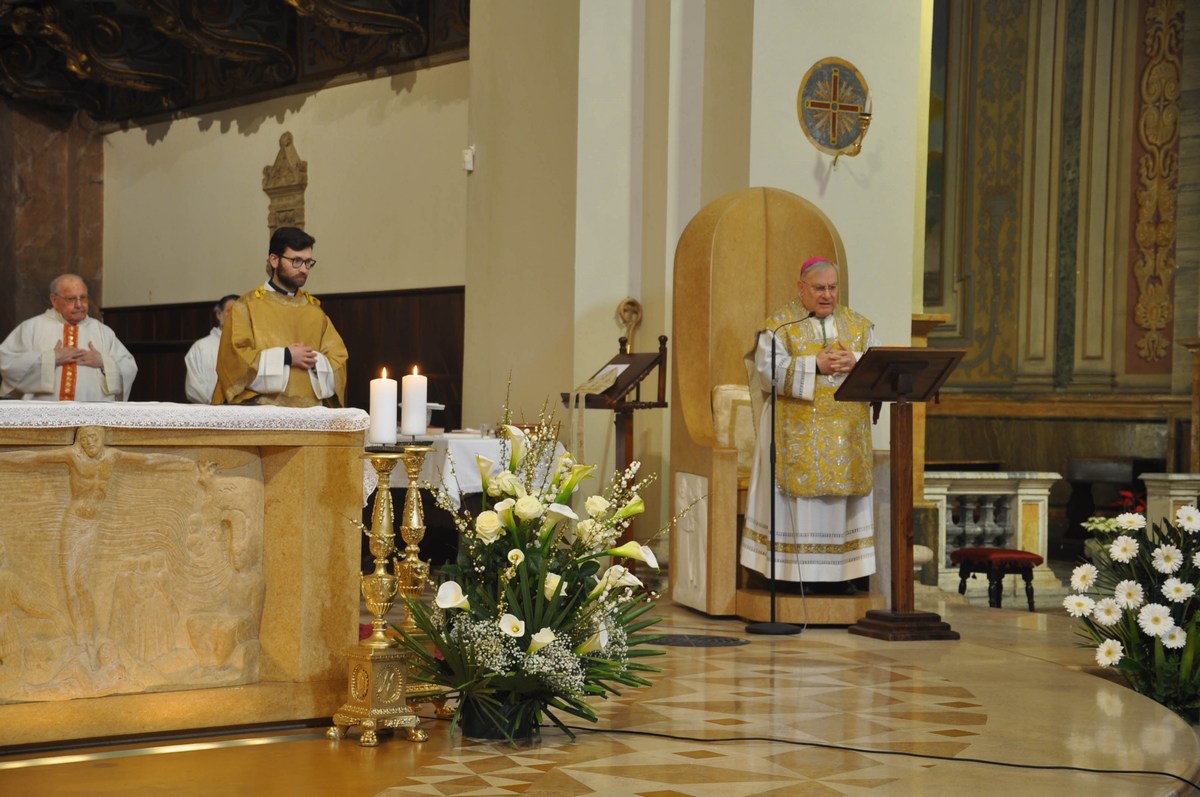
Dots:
{"x": 995, "y": 557}
{"x": 733, "y": 422}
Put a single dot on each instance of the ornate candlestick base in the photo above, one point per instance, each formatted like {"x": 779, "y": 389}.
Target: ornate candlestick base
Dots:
{"x": 378, "y": 697}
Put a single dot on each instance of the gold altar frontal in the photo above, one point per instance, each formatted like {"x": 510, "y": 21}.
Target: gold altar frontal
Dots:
{"x": 177, "y": 578}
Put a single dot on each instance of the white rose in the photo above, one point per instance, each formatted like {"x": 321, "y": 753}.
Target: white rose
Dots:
{"x": 589, "y": 532}
{"x": 516, "y": 556}
{"x": 596, "y": 505}
{"x": 528, "y": 508}
{"x": 504, "y": 483}
{"x": 488, "y": 527}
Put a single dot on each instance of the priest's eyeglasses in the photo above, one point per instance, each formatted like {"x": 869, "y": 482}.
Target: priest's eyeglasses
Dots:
{"x": 299, "y": 262}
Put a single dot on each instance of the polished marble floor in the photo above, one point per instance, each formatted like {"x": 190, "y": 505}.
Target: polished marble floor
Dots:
{"x": 1013, "y": 707}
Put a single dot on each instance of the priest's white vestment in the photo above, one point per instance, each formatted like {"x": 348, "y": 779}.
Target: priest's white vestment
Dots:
{"x": 29, "y": 371}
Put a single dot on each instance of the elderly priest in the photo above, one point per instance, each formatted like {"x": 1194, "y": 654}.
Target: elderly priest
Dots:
{"x": 278, "y": 346}
{"x": 64, "y": 354}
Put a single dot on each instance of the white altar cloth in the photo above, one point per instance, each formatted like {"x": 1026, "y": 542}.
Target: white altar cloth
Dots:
{"x": 451, "y": 466}
{"x": 168, "y": 415}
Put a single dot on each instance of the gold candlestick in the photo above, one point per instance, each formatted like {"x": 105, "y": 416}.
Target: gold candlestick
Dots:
{"x": 378, "y": 666}
{"x": 410, "y": 570}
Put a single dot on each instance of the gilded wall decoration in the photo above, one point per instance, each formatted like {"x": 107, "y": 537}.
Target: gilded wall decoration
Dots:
{"x": 992, "y": 256}
{"x": 1156, "y": 152}
{"x": 126, "y": 570}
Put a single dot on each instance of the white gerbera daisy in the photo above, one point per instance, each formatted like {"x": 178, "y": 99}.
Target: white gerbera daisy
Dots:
{"x": 1177, "y": 591}
{"x": 1167, "y": 559}
{"x": 1078, "y": 605}
{"x": 1131, "y": 521}
{"x": 1109, "y": 653}
{"x": 1188, "y": 519}
{"x": 1155, "y": 619}
{"x": 1106, "y": 612}
{"x": 1083, "y": 577}
{"x": 1175, "y": 638}
{"x": 1123, "y": 549}
{"x": 1128, "y": 594}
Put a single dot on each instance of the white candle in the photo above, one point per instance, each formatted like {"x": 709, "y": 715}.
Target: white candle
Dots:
{"x": 383, "y": 411}
{"x": 412, "y": 403}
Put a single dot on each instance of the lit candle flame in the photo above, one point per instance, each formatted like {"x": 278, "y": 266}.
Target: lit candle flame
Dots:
{"x": 384, "y": 374}
{"x": 414, "y": 370}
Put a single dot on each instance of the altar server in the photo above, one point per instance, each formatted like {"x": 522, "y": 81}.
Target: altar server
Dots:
{"x": 201, "y": 359}
{"x": 64, "y": 354}
{"x": 278, "y": 346}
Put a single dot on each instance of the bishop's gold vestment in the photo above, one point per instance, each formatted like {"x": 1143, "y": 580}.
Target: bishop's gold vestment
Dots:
{"x": 823, "y": 446}
{"x": 821, "y": 501}
{"x": 264, "y": 319}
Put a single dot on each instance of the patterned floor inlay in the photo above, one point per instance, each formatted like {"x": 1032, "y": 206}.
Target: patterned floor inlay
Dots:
{"x": 827, "y": 714}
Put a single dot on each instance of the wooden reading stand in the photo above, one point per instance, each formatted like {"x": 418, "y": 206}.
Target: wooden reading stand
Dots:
{"x": 616, "y": 398}
{"x": 902, "y": 376}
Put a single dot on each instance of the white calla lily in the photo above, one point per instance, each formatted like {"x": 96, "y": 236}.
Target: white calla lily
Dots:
{"x": 450, "y": 596}
{"x": 632, "y": 550}
{"x": 512, "y": 625}
{"x": 541, "y": 639}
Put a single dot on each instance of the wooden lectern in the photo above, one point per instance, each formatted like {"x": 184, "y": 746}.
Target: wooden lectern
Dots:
{"x": 634, "y": 368}
{"x": 902, "y": 376}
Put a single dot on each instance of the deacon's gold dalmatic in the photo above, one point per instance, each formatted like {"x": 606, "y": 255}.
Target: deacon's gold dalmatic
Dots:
{"x": 823, "y": 446}
{"x": 265, "y": 319}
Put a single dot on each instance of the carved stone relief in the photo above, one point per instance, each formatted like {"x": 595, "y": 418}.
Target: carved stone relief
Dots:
{"x": 284, "y": 182}
{"x": 128, "y": 570}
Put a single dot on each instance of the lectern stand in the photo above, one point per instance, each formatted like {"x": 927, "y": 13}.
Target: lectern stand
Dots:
{"x": 901, "y": 376}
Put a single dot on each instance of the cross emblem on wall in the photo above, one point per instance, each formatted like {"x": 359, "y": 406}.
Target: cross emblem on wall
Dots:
{"x": 833, "y": 105}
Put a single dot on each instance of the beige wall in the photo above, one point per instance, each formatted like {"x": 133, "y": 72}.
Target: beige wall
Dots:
{"x": 186, "y": 216}
{"x": 705, "y": 105}
{"x": 520, "y": 230}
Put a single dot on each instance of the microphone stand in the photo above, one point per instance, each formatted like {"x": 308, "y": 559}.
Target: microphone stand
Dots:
{"x": 773, "y": 627}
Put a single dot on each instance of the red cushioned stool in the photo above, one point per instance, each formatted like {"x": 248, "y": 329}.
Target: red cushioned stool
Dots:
{"x": 996, "y": 563}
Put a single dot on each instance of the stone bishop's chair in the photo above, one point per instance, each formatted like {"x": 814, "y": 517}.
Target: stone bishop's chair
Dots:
{"x": 737, "y": 261}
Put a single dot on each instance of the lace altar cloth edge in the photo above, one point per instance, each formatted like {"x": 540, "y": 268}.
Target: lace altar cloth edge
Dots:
{"x": 168, "y": 415}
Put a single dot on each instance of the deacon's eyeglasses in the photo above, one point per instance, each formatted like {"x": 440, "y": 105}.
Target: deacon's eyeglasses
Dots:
{"x": 299, "y": 262}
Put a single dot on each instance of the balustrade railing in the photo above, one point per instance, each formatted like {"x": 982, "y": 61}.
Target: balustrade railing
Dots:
{"x": 1005, "y": 509}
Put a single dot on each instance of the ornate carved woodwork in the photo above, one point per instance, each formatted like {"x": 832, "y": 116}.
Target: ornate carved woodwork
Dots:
{"x": 124, "y": 59}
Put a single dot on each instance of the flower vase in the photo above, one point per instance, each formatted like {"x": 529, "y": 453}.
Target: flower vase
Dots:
{"x": 509, "y": 722}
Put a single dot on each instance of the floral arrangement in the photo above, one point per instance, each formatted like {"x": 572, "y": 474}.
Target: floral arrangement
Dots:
{"x": 527, "y": 624}
{"x": 1144, "y": 619}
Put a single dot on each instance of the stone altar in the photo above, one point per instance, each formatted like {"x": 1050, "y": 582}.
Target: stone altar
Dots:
{"x": 181, "y": 566}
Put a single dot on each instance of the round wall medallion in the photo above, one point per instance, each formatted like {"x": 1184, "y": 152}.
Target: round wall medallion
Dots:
{"x": 833, "y": 94}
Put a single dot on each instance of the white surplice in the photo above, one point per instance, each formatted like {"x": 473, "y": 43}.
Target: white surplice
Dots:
{"x": 201, "y": 362}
